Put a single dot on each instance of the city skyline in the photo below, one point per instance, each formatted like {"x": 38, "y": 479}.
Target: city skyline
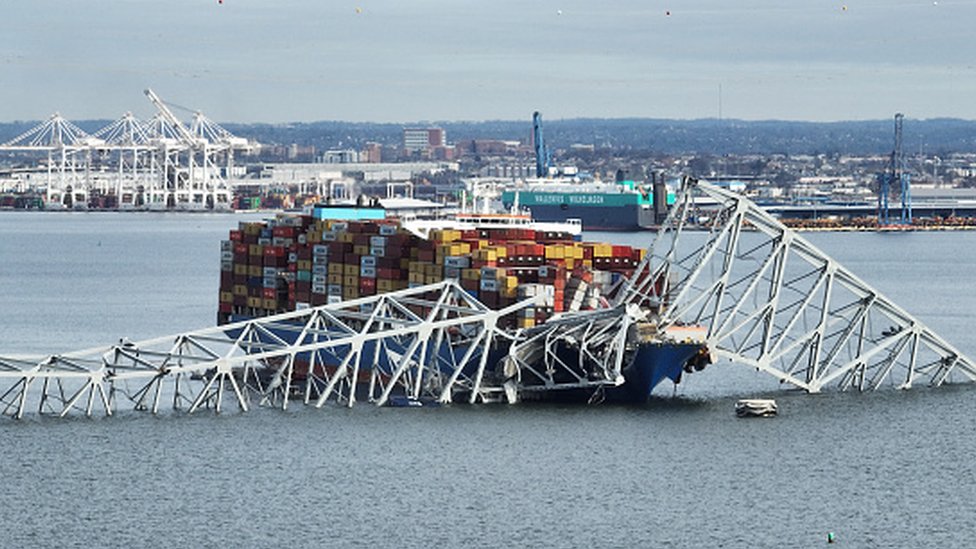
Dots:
{"x": 435, "y": 60}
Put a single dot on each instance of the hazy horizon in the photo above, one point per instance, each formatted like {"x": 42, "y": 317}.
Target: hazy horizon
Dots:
{"x": 382, "y": 61}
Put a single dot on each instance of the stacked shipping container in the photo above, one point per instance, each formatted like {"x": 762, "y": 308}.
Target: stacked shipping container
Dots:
{"x": 296, "y": 261}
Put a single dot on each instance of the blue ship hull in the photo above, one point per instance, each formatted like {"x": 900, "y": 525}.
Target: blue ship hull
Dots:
{"x": 653, "y": 363}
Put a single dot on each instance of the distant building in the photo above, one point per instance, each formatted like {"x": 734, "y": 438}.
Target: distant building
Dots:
{"x": 423, "y": 141}
{"x": 372, "y": 153}
{"x": 340, "y": 157}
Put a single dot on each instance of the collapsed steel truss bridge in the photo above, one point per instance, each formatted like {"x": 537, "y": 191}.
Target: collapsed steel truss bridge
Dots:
{"x": 769, "y": 300}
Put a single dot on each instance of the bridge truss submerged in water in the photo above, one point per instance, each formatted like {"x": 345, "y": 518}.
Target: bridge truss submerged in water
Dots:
{"x": 769, "y": 300}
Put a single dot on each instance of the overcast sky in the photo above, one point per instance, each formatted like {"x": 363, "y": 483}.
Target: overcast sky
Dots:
{"x": 413, "y": 60}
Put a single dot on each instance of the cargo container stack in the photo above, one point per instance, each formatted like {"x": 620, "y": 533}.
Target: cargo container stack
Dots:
{"x": 295, "y": 262}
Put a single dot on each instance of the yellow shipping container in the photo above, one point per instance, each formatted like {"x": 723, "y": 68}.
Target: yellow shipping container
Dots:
{"x": 350, "y": 270}
{"x": 570, "y": 264}
{"x": 588, "y": 263}
{"x": 433, "y": 279}
{"x": 384, "y": 285}
{"x": 350, "y": 281}
{"x": 510, "y": 292}
{"x": 226, "y": 297}
{"x": 433, "y": 270}
{"x": 255, "y": 270}
{"x": 345, "y": 237}
{"x": 362, "y": 249}
{"x": 511, "y": 282}
{"x": 334, "y": 279}
{"x": 554, "y": 251}
{"x": 349, "y": 292}
{"x": 485, "y": 254}
{"x": 336, "y": 268}
{"x": 304, "y": 265}
{"x": 416, "y": 277}
{"x": 255, "y": 302}
{"x": 526, "y": 322}
{"x": 240, "y": 269}
{"x": 602, "y": 250}
{"x": 239, "y": 289}
{"x": 313, "y": 237}
{"x": 270, "y": 304}
{"x": 471, "y": 274}
{"x": 255, "y": 249}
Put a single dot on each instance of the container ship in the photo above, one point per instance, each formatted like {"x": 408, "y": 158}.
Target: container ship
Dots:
{"x": 618, "y": 206}
{"x": 298, "y": 261}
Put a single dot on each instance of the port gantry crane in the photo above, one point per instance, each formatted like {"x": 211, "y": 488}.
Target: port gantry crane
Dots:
{"x": 158, "y": 163}
{"x": 766, "y": 298}
{"x": 895, "y": 172}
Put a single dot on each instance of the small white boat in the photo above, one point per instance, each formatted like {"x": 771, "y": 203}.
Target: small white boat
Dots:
{"x": 755, "y": 407}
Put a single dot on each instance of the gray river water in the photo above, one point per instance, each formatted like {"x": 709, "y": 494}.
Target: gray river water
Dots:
{"x": 888, "y": 469}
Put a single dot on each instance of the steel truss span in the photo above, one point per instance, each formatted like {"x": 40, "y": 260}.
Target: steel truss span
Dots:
{"x": 430, "y": 342}
{"x": 774, "y": 302}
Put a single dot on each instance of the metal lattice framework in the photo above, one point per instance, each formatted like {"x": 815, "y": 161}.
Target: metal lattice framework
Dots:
{"x": 430, "y": 342}
{"x": 774, "y": 302}
{"x": 586, "y": 350}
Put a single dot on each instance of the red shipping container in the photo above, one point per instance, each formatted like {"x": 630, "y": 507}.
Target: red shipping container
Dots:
{"x": 367, "y": 286}
{"x": 225, "y": 307}
{"x": 269, "y": 293}
{"x": 236, "y": 236}
{"x": 283, "y": 232}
